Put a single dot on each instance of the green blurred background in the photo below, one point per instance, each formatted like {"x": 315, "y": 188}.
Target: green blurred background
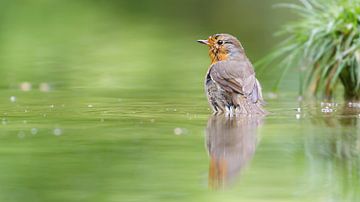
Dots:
{"x": 129, "y": 44}
{"x": 104, "y": 101}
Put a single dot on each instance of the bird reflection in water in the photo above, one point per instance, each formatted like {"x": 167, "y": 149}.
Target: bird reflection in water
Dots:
{"x": 231, "y": 144}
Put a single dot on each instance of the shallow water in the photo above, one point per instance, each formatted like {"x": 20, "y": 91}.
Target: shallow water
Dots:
{"x": 89, "y": 145}
{"x": 103, "y": 101}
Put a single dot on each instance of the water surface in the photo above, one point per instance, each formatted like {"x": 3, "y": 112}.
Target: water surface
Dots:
{"x": 129, "y": 146}
{"x": 103, "y": 101}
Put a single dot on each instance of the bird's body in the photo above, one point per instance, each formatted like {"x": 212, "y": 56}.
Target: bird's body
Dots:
{"x": 230, "y": 82}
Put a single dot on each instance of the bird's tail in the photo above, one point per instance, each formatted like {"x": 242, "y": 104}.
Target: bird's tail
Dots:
{"x": 252, "y": 104}
{"x": 247, "y": 106}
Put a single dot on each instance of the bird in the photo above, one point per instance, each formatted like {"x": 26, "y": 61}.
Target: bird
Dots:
{"x": 230, "y": 83}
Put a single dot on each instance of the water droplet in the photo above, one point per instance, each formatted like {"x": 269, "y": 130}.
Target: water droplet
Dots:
{"x": 90, "y": 105}
{"x": 52, "y": 106}
{"x": 178, "y": 131}
{"x": 298, "y": 116}
{"x": 44, "y": 87}
{"x": 25, "y": 86}
{"x": 13, "y": 99}
{"x": 57, "y": 131}
{"x": 4, "y": 121}
{"x": 34, "y": 131}
{"x": 354, "y": 104}
{"x": 298, "y": 109}
{"x": 327, "y": 110}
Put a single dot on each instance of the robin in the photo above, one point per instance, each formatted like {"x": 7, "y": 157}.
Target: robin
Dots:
{"x": 230, "y": 84}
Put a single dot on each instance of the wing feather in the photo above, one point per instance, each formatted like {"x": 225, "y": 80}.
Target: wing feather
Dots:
{"x": 237, "y": 77}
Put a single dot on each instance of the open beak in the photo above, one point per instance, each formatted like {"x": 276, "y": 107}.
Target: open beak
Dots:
{"x": 206, "y": 42}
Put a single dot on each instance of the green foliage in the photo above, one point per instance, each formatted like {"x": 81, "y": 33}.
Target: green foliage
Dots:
{"x": 324, "y": 44}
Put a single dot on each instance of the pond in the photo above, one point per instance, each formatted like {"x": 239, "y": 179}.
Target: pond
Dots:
{"x": 90, "y": 145}
{"x": 103, "y": 101}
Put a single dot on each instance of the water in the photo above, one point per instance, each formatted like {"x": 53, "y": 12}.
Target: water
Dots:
{"x": 54, "y": 147}
{"x": 104, "y": 101}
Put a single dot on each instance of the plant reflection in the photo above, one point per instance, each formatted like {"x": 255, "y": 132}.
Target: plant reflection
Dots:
{"x": 336, "y": 155}
{"x": 231, "y": 144}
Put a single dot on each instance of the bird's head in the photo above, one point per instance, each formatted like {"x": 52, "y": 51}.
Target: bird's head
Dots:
{"x": 223, "y": 47}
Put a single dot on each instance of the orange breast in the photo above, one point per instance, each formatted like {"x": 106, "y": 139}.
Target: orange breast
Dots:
{"x": 217, "y": 55}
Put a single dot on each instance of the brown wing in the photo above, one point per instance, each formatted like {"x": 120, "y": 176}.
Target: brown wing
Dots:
{"x": 237, "y": 77}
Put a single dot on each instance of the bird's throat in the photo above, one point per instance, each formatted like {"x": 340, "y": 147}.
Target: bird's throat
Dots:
{"x": 216, "y": 56}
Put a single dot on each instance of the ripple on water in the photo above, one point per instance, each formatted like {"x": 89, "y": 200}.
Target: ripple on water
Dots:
{"x": 57, "y": 131}
{"x": 34, "y": 131}
{"x": 4, "y": 121}
{"x": 21, "y": 134}
{"x": 354, "y": 104}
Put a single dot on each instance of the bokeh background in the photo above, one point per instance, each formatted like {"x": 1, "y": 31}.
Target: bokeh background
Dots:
{"x": 104, "y": 101}
{"x": 129, "y": 44}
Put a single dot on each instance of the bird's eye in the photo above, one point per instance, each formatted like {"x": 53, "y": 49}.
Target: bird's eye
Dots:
{"x": 220, "y": 42}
